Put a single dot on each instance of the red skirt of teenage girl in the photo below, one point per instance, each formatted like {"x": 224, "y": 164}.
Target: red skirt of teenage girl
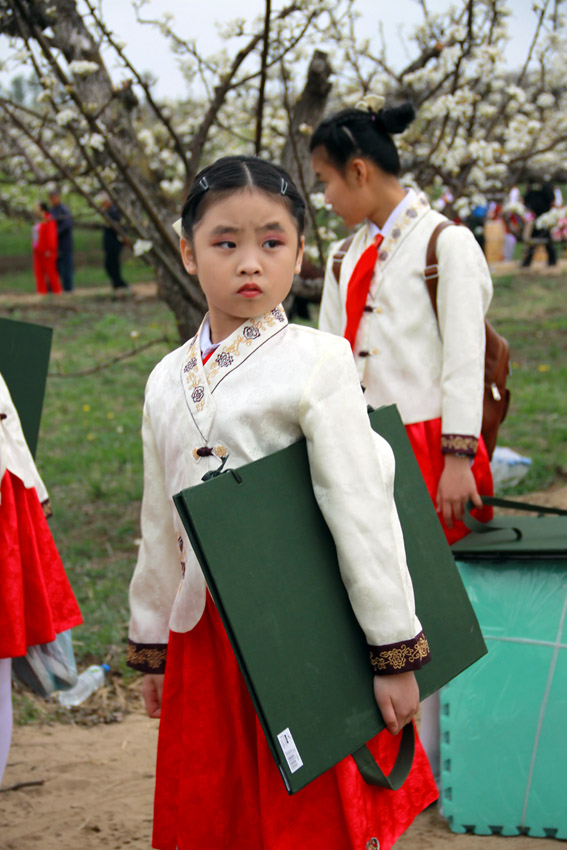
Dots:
{"x": 425, "y": 438}
{"x": 218, "y": 785}
{"x": 36, "y": 601}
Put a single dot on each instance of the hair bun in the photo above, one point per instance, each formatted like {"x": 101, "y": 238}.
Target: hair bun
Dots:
{"x": 398, "y": 118}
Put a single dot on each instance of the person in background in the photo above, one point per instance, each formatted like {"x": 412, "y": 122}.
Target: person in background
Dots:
{"x": 44, "y": 245}
{"x": 539, "y": 199}
{"x": 112, "y": 244}
{"x": 62, "y": 215}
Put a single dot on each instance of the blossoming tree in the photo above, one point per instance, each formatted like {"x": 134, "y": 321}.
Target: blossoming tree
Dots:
{"x": 480, "y": 126}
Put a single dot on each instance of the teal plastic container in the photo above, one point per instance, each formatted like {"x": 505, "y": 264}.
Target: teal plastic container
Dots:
{"x": 504, "y": 720}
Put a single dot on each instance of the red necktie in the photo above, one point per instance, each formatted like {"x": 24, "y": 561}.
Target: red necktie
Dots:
{"x": 358, "y": 287}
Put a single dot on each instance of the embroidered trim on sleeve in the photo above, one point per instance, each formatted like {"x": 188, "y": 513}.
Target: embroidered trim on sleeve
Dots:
{"x": 400, "y": 657}
{"x": 147, "y": 657}
{"x": 458, "y": 444}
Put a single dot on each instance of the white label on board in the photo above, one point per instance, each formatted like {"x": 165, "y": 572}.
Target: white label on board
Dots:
{"x": 290, "y": 750}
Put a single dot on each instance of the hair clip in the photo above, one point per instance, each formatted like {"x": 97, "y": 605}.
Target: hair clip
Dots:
{"x": 371, "y": 103}
{"x": 348, "y": 133}
{"x": 204, "y": 183}
{"x": 283, "y": 188}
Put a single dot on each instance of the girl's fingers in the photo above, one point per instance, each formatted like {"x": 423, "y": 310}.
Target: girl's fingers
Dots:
{"x": 476, "y": 500}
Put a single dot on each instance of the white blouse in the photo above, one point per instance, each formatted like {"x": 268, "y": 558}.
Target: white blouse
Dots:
{"x": 403, "y": 355}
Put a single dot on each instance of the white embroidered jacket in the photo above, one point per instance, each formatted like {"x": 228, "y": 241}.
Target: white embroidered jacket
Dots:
{"x": 15, "y": 455}
{"x": 266, "y": 385}
{"x": 403, "y": 355}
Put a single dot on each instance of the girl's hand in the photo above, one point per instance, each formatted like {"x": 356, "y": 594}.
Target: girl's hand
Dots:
{"x": 397, "y": 697}
{"x": 456, "y": 486}
{"x": 152, "y": 687}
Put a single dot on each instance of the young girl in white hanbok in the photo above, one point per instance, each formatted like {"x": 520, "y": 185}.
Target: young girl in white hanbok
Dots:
{"x": 432, "y": 369}
{"x": 36, "y": 600}
{"x": 246, "y": 385}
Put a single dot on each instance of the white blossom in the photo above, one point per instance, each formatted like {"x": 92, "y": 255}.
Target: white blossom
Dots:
{"x": 82, "y": 67}
{"x": 141, "y": 246}
{"x": 146, "y": 139}
{"x": 65, "y": 116}
{"x": 318, "y": 201}
{"x": 173, "y": 188}
{"x": 545, "y": 99}
{"x": 96, "y": 141}
{"x": 551, "y": 219}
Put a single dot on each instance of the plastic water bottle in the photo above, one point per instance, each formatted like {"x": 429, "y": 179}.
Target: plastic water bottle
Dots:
{"x": 89, "y": 681}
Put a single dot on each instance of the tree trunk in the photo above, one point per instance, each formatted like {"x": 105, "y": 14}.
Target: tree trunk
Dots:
{"x": 308, "y": 111}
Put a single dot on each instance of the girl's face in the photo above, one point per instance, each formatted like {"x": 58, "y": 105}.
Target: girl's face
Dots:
{"x": 245, "y": 251}
{"x": 344, "y": 192}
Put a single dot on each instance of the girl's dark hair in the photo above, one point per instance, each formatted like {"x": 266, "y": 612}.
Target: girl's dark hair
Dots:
{"x": 358, "y": 132}
{"x": 43, "y": 206}
{"x": 233, "y": 173}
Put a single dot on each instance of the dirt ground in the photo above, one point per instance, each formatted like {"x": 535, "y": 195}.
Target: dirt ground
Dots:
{"x": 94, "y": 789}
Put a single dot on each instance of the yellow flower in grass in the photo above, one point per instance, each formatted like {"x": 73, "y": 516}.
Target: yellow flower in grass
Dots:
{"x": 90, "y": 437}
{"x": 543, "y": 367}
{"x": 86, "y": 407}
{"x": 110, "y": 415}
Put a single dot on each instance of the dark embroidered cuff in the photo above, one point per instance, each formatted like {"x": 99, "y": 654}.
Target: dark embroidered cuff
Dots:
{"x": 147, "y": 657}
{"x": 400, "y": 657}
{"x": 458, "y": 444}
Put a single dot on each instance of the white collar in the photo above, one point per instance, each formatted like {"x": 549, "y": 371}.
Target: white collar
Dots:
{"x": 205, "y": 342}
{"x": 408, "y": 199}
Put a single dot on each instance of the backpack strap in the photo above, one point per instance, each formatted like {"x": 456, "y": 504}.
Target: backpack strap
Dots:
{"x": 431, "y": 271}
{"x": 339, "y": 256}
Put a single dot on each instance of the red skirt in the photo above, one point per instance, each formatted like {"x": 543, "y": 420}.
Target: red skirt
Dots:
{"x": 425, "y": 438}
{"x": 36, "y": 602}
{"x": 217, "y": 782}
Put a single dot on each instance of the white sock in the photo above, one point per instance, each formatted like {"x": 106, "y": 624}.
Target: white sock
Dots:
{"x": 5, "y": 711}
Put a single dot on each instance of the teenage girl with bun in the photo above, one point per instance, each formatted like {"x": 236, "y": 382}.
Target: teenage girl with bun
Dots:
{"x": 432, "y": 369}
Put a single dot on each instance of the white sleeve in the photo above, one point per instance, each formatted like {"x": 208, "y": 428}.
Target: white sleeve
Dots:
{"x": 331, "y": 311}
{"x": 14, "y": 451}
{"x": 352, "y": 471}
{"x": 463, "y": 298}
{"x": 158, "y": 570}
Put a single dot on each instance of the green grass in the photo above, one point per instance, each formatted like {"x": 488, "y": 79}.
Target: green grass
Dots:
{"x": 532, "y": 314}
{"x": 90, "y": 276}
{"x": 90, "y": 455}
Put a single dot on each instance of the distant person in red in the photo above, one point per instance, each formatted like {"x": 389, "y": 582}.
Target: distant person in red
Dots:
{"x": 44, "y": 242}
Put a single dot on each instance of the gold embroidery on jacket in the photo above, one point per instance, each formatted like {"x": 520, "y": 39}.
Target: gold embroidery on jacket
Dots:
{"x": 453, "y": 443}
{"x": 406, "y": 655}
{"x": 225, "y": 356}
{"x": 146, "y": 658}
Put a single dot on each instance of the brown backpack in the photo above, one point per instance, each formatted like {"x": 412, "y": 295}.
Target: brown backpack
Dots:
{"x": 496, "y": 355}
{"x": 497, "y": 350}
